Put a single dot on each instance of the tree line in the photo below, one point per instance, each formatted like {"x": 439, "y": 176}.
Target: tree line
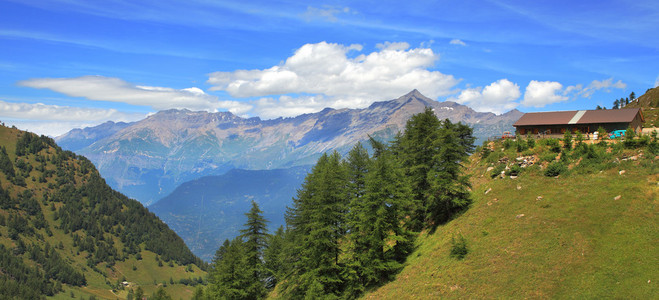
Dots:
{"x": 353, "y": 221}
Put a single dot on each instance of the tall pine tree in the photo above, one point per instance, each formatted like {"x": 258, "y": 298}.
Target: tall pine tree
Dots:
{"x": 255, "y": 236}
{"x": 415, "y": 149}
{"x": 378, "y": 239}
{"x": 449, "y": 187}
{"x": 317, "y": 223}
{"x": 228, "y": 277}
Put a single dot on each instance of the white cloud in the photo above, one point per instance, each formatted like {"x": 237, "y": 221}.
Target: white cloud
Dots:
{"x": 541, "y": 93}
{"x": 49, "y": 128}
{"x": 457, "y": 42}
{"x": 38, "y": 111}
{"x": 498, "y": 97}
{"x": 328, "y": 13}
{"x": 594, "y": 86}
{"x": 324, "y": 72}
{"x": 54, "y": 120}
{"x": 102, "y": 88}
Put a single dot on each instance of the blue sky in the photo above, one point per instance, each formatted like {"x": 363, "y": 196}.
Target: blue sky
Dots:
{"x": 74, "y": 63}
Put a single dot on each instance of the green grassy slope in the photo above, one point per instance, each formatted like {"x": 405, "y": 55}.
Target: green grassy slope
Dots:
{"x": 544, "y": 237}
{"x": 649, "y": 102}
{"x": 45, "y": 174}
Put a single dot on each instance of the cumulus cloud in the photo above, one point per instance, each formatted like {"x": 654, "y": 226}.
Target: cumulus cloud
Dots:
{"x": 457, "y": 42}
{"x": 498, "y": 97}
{"x": 102, "y": 88}
{"x": 327, "y": 73}
{"x": 541, "y": 93}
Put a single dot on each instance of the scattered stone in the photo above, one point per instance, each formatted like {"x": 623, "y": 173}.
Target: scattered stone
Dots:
{"x": 488, "y": 190}
{"x": 539, "y": 198}
{"x": 490, "y": 169}
{"x": 622, "y": 172}
{"x": 519, "y": 187}
{"x": 519, "y": 216}
{"x": 513, "y": 177}
{"x": 617, "y": 197}
{"x": 489, "y": 203}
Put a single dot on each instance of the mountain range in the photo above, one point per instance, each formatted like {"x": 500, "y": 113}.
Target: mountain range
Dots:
{"x": 148, "y": 159}
{"x": 208, "y": 210}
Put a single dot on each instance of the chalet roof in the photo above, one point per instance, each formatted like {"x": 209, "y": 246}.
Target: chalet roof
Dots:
{"x": 579, "y": 117}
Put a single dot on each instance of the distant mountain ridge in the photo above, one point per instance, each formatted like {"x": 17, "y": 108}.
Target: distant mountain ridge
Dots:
{"x": 147, "y": 159}
{"x": 208, "y": 210}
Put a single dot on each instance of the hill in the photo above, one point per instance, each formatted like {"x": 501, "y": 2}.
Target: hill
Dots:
{"x": 147, "y": 160}
{"x": 65, "y": 233}
{"x": 649, "y": 102}
{"x": 209, "y": 210}
{"x": 590, "y": 232}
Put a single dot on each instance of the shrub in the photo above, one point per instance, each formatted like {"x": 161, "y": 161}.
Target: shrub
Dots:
{"x": 555, "y": 169}
{"x": 653, "y": 147}
{"x": 567, "y": 140}
{"x": 629, "y": 141}
{"x": 514, "y": 170}
{"x": 601, "y": 133}
{"x": 485, "y": 151}
{"x": 578, "y": 138}
{"x": 548, "y": 157}
{"x": 459, "y": 247}
{"x": 507, "y": 144}
{"x": 497, "y": 170}
{"x": 530, "y": 141}
{"x": 495, "y": 156}
{"x": 553, "y": 145}
{"x": 521, "y": 144}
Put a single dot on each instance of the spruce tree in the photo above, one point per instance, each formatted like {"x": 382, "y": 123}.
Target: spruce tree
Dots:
{"x": 229, "y": 275}
{"x": 415, "y": 148}
{"x": 449, "y": 192}
{"x": 273, "y": 258}
{"x": 255, "y": 236}
{"x": 317, "y": 223}
{"x": 379, "y": 241}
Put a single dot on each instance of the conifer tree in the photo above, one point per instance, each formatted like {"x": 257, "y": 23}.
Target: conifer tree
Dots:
{"x": 357, "y": 165}
{"x": 449, "y": 190}
{"x": 379, "y": 240}
{"x": 273, "y": 258}
{"x": 228, "y": 277}
{"x": 255, "y": 241}
{"x": 317, "y": 223}
{"x": 415, "y": 148}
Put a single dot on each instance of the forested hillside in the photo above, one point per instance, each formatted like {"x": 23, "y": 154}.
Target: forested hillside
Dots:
{"x": 354, "y": 220}
{"x": 62, "y": 229}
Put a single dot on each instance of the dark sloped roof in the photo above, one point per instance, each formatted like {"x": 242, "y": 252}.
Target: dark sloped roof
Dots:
{"x": 578, "y": 117}
{"x": 546, "y": 118}
{"x": 609, "y": 116}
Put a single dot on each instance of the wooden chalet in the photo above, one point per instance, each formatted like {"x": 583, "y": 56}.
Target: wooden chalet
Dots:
{"x": 584, "y": 121}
